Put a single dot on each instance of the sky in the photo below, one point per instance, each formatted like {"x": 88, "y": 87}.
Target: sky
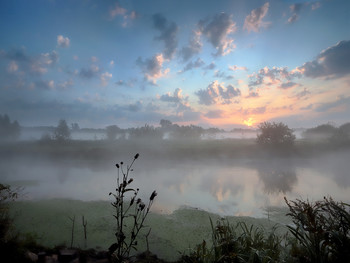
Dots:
{"x": 226, "y": 64}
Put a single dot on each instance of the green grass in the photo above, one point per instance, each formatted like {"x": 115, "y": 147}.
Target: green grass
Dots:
{"x": 170, "y": 236}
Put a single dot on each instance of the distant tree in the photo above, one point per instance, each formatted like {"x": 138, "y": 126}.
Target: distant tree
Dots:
{"x": 341, "y": 135}
{"x": 275, "y": 135}
{"x": 146, "y": 132}
{"x": 9, "y": 130}
{"x": 320, "y": 131}
{"x": 165, "y": 124}
{"x": 186, "y": 132}
{"x": 62, "y": 132}
{"x": 75, "y": 127}
{"x": 112, "y": 131}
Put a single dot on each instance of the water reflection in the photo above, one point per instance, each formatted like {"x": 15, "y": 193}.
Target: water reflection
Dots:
{"x": 277, "y": 175}
{"x": 228, "y": 187}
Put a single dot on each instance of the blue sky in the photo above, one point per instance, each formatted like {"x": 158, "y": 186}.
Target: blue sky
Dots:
{"x": 210, "y": 63}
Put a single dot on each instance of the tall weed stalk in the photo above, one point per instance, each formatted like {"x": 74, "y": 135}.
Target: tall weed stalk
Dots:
{"x": 128, "y": 207}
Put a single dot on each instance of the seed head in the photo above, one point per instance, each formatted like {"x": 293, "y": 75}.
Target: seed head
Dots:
{"x": 153, "y": 195}
{"x": 117, "y": 165}
{"x": 136, "y": 156}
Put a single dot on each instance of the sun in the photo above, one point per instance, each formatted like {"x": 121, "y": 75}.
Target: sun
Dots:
{"x": 249, "y": 122}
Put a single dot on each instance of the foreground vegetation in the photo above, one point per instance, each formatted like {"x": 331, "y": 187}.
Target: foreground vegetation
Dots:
{"x": 319, "y": 231}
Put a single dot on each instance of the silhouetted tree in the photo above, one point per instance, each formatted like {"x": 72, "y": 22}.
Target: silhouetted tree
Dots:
{"x": 165, "y": 124}
{"x": 62, "y": 131}
{"x": 8, "y": 130}
{"x": 275, "y": 135}
{"x": 75, "y": 126}
{"x": 320, "y": 131}
{"x": 145, "y": 132}
{"x": 112, "y": 132}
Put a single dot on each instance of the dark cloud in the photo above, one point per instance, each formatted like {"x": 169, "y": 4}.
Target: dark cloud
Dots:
{"x": 193, "y": 48}
{"x": 44, "y": 84}
{"x": 191, "y": 65}
{"x": 222, "y": 75}
{"x": 214, "y": 114}
{"x": 288, "y": 85}
{"x": 210, "y": 66}
{"x": 295, "y": 10}
{"x": 253, "y": 94}
{"x": 176, "y": 97}
{"x": 254, "y": 21}
{"x": 340, "y": 101}
{"x": 333, "y": 62}
{"x": 90, "y": 72}
{"x": 168, "y": 34}
{"x": 152, "y": 67}
{"x": 217, "y": 31}
{"x": 217, "y": 93}
{"x": 135, "y": 107}
{"x": 20, "y": 61}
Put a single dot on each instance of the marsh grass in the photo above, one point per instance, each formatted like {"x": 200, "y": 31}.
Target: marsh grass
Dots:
{"x": 238, "y": 242}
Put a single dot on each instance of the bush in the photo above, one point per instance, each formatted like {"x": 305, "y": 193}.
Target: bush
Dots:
{"x": 275, "y": 135}
{"x": 322, "y": 230}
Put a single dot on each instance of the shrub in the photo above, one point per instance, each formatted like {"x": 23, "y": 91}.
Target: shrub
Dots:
{"x": 322, "y": 230}
{"x": 275, "y": 135}
{"x": 238, "y": 243}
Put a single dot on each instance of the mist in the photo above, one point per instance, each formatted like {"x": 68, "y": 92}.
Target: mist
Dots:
{"x": 219, "y": 173}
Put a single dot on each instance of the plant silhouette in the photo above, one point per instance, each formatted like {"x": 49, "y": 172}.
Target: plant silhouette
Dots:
{"x": 135, "y": 212}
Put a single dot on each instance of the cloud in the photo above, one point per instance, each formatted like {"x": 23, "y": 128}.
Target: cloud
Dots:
{"x": 21, "y": 62}
{"x": 214, "y": 114}
{"x": 333, "y": 62}
{"x": 308, "y": 107}
{"x": 105, "y": 77}
{"x": 90, "y": 72}
{"x": 341, "y": 101}
{"x": 253, "y": 94}
{"x": 302, "y": 94}
{"x": 66, "y": 84}
{"x": 271, "y": 76}
{"x": 315, "y": 5}
{"x": 288, "y": 85}
{"x": 257, "y": 111}
{"x": 43, "y": 84}
{"x": 168, "y": 34}
{"x": 211, "y": 66}
{"x": 152, "y": 67}
{"x": 253, "y": 22}
{"x": 63, "y": 41}
{"x": 12, "y": 67}
{"x": 117, "y": 10}
{"x": 235, "y": 68}
{"x": 176, "y": 97}
{"x": 193, "y": 48}
{"x": 295, "y": 10}
{"x": 217, "y": 93}
{"x": 217, "y": 31}
{"x": 191, "y": 65}
{"x": 222, "y": 75}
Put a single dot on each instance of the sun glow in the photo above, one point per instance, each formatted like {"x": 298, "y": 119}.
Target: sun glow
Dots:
{"x": 250, "y": 122}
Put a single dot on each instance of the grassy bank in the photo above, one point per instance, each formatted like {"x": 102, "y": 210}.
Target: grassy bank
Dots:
{"x": 171, "y": 235}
